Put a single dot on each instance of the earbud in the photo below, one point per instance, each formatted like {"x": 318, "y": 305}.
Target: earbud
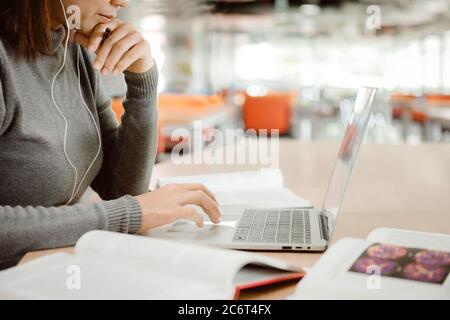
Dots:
{"x": 75, "y": 188}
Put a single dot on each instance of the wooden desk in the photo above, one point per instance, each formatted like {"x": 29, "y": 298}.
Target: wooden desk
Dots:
{"x": 392, "y": 186}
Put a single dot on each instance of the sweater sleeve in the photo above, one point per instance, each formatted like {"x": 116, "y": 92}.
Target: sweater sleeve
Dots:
{"x": 24, "y": 229}
{"x": 129, "y": 148}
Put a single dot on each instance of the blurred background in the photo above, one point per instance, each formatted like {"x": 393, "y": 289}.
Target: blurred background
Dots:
{"x": 295, "y": 66}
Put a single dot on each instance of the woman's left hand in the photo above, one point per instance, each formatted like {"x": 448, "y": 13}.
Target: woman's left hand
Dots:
{"x": 124, "y": 50}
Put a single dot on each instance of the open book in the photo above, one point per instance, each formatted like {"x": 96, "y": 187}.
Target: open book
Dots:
{"x": 389, "y": 264}
{"x": 110, "y": 265}
{"x": 246, "y": 188}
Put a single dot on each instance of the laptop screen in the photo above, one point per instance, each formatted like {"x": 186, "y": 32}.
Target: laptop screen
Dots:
{"x": 351, "y": 142}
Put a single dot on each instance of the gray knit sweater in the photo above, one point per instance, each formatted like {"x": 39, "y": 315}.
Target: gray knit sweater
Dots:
{"x": 36, "y": 180}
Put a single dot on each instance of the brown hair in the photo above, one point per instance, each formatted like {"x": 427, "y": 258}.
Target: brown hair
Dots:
{"x": 26, "y": 26}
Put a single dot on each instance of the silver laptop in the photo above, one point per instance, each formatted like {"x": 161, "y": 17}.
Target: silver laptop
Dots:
{"x": 287, "y": 229}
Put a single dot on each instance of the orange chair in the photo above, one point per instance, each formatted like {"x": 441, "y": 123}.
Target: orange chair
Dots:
{"x": 189, "y": 101}
{"x": 270, "y": 112}
{"x": 418, "y": 116}
{"x": 181, "y": 109}
{"x": 438, "y": 100}
{"x": 407, "y": 103}
{"x": 401, "y": 102}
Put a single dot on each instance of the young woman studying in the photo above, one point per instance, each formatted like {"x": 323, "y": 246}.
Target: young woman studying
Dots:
{"x": 58, "y": 134}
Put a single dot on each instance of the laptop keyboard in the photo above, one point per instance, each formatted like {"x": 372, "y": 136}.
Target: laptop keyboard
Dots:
{"x": 274, "y": 226}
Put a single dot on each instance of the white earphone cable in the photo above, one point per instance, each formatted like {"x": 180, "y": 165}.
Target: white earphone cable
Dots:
{"x": 66, "y": 123}
{"x": 95, "y": 124}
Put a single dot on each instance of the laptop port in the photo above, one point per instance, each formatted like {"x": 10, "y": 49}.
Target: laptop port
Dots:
{"x": 286, "y": 248}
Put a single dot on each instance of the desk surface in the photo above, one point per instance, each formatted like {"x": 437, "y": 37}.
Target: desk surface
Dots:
{"x": 404, "y": 187}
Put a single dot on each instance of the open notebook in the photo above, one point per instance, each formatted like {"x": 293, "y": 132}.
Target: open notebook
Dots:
{"x": 389, "y": 264}
{"x": 246, "y": 188}
{"x": 110, "y": 265}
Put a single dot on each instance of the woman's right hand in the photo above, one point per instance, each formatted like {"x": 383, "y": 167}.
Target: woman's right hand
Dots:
{"x": 170, "y": 203}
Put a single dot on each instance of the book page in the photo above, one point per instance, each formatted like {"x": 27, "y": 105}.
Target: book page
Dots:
{"x": 245, "y": 188}
{"x": 118, "y": 266}
{"x": 202, "y": 263}
{"x": 432, "y": 241}
{"x": 334, "y": 277}
{"x": 63, "y": 276}
{"x": 243, "y": 180}
{"x": 269, "y": 198}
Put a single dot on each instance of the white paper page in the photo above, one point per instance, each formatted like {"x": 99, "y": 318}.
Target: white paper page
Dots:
{"x": 269, "y": 198}
{"x": 186, "y": 260}
{"x": 411, "y": 239}
{"x": 330, "y": 279}
{"x": 243, "y": 180}
{"x": 245, "y": 188}
{"x": 51, "y": 277}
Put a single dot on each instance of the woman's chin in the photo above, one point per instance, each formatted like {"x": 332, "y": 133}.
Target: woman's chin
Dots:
{"x": 87, "y": 31}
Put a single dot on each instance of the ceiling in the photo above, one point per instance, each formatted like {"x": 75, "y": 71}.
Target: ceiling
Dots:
{"x": 193, "y": 7}
{"x": 261, "y": 6}
{"x": 328, "y": 14}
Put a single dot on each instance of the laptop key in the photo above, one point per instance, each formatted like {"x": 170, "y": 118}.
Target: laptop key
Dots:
{"x": 273, "y": 226}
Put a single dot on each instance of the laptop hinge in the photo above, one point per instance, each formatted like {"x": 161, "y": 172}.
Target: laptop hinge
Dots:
{"x": 324, "y": 226}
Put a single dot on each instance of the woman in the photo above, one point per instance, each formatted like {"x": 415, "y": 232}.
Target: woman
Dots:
{"x": 58, "y": 135}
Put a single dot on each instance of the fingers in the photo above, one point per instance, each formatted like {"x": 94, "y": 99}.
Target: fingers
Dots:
{"x": 93, "y": 41}
{"x": 125, "y": 53}
{"x": 192, "y": 214}
{"x": 120, "y": 49}
{"x": 200, "y": 198}
{"x": 97, "y": 34}
{"x": 105, "y": 49}
{"x": 198, "y": 194}
{"x": 198, "y": 186}
{"x": 123, "y": 49}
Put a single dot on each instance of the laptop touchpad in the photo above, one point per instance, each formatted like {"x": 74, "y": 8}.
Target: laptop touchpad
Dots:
{"x": 228, "y": 222}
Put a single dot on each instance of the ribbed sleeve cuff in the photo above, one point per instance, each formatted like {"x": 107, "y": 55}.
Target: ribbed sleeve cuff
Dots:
{"x": 142, "y": 85}
{"x": 123, "y": 215}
